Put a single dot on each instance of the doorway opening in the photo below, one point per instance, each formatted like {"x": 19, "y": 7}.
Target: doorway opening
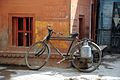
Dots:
{"x": 81, "y": 26}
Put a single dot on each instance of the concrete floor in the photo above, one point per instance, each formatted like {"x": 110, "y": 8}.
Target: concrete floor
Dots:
{"x": 108, "y": 70}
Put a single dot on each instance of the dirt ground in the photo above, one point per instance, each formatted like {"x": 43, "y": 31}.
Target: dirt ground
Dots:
{"x": 108, "y": 70}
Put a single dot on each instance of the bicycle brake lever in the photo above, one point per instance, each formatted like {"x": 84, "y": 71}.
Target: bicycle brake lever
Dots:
{"x": 60, "y": 33}
{"x": 54, "y": 32}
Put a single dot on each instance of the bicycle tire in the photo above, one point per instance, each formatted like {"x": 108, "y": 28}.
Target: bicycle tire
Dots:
{"x": 37, "y": 55}
{"x": 77, "y": 61}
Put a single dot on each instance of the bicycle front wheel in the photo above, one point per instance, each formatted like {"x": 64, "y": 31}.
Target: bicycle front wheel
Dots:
{"x": 83, "y": 64}
{"x": 37, "y": 55}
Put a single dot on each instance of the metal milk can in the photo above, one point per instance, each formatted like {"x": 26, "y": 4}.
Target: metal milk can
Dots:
{"x": 86, "y": 50}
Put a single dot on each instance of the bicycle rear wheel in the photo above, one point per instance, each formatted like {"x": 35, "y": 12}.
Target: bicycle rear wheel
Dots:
{"x": 83, "y": 64}
{"x": 37, "y": 55}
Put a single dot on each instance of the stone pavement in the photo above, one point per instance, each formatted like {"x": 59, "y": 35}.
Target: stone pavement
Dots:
{"x": 108, "y": 70}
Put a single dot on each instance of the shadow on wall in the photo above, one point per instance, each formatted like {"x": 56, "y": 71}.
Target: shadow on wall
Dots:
{"x": 3, "y": 38}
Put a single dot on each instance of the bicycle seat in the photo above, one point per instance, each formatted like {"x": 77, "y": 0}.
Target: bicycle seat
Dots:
{"x": 73, "y": 35}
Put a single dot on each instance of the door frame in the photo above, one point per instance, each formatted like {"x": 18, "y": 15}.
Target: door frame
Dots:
{"x": 81, "y": 29}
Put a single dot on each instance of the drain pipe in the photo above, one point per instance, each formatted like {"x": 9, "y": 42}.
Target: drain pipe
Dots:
{"x": 90, "y": 18}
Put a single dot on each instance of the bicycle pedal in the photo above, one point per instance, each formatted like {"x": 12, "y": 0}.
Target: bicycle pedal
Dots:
{"x": 58, "y": 62}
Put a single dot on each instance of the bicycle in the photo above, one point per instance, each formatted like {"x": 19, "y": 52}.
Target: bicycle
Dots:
{"x": 38, "y": 54}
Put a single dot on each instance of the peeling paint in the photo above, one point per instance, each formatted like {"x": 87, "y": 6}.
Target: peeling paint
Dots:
{"x": 41, "y": 31}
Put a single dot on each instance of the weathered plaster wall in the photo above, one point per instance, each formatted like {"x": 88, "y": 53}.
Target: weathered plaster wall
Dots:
{"x": 47, "y": 12}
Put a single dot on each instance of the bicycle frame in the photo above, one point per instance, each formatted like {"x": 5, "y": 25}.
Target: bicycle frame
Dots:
{"x": 49, "y": 37}
{"x": 69, "y": 48}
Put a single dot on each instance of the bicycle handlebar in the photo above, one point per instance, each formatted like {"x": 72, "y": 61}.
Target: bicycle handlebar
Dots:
{"x": 50, "y": 29}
